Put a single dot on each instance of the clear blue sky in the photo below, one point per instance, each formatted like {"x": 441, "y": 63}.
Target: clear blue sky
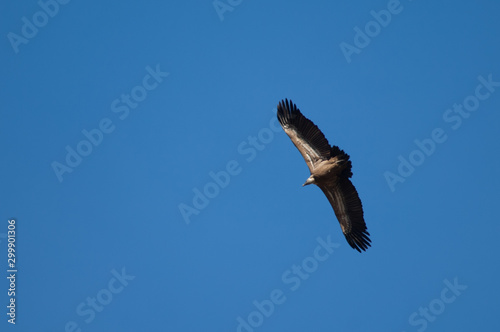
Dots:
{"x": 116, "y": 116}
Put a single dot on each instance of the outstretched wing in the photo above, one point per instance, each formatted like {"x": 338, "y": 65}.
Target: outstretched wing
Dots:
{"x": 349, "y": 211}
{"x": 304, "y": 134}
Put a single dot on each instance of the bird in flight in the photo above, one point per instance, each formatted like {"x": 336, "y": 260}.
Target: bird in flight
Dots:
{"x": 330, "y": 169}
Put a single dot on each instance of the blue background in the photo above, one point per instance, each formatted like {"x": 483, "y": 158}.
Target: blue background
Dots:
{"x": 120, "y": 208}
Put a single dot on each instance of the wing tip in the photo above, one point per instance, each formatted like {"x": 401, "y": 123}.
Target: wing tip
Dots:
{"x": 287, "y": 111}
{"x": 359, "y": 241}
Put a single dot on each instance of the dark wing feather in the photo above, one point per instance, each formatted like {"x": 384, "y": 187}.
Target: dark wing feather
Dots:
{"x": 304, "y": 134}
{"x": 349, "y": 211}
{"x": 340, "y": 154}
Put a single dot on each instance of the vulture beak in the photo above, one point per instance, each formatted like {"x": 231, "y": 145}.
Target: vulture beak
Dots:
{"x": 309, "y": 181}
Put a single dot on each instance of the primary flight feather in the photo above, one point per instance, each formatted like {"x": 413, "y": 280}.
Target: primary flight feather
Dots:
{"x": 330, "y": 170}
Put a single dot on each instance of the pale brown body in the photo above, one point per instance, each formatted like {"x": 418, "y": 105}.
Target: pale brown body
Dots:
{"x": 326, "y": 172}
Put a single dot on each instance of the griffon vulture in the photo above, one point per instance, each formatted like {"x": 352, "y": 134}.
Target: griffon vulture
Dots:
{"x": 330, "y": 170}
